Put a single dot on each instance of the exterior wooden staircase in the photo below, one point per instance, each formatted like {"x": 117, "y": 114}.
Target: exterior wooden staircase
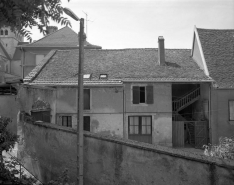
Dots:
{"x": 188, "y": 99}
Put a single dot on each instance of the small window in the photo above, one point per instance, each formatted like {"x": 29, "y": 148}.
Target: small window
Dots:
{"x": 67, "y": 121}
{"x": 142, "y": 94}
{"x": 6, "y": 32}
{"x": 86, "y": 99}
{"x": 87, "y": 123}
{"x": 1, "y": 32}
{"x": 231, "y": 110}
{"x": 103, "y": 76}
{"x": 87, "y": 76}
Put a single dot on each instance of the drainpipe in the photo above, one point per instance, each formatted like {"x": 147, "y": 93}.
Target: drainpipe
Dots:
{"x": 124, "y": 134}
{"x": 210, "y": 128}
{"x": 22, "y": 62}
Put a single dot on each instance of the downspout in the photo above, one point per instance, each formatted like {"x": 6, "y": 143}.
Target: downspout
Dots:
{"x": 210, "y": 128}
{"x": 22, "y": 62}
{"x": 124, "y": 132}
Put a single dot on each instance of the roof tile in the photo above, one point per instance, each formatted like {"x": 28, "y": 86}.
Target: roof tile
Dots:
{"x": 218, "y": 49}
{"x": 125, "y": 64}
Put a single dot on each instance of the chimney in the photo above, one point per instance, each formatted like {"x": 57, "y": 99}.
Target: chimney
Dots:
{"x": 161, "y": 51}
{"x": 51, "y": 29}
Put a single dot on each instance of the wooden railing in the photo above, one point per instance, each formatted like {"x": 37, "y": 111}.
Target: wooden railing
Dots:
{"x": 186, "y": 100}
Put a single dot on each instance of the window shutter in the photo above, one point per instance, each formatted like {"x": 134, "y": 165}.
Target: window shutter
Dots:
{"x": 150, "y": 94}
{"x": 135, "y": 94}
{"x": 86, "y": 99}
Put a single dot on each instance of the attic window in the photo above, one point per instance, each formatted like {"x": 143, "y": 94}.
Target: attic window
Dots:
{"x": 103, "y": 76}
{"x": 87, "y": 76}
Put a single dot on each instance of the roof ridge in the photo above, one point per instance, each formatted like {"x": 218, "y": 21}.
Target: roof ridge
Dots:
{"x": 216, "y": 29}
{"x": 131, "y": 49}
{"x": 34, "y": 73}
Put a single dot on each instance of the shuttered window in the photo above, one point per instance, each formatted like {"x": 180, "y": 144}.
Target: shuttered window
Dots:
{"x": 143, "y": 94}
{"x": 231, "y": 110}
{"x": 86, "y": 99}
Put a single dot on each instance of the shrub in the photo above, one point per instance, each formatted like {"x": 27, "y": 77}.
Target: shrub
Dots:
{"x": 225, "y": 148}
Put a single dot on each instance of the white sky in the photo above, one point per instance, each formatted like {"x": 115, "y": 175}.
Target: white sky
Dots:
{"x": 120, "y": 24}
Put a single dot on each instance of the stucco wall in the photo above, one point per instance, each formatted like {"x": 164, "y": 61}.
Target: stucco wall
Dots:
{"x": 28, "y": 95}
{"x": 48, "y": 149}
{"x": 197, "y": 54}
{"x": 9, "y": 108}
{"x": 160, "y": 111}
{"x": 29, "y": 59}
{"x": 221, "y": 126}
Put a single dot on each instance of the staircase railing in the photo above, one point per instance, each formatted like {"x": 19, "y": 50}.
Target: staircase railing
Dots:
{"x": 177, "y": 104}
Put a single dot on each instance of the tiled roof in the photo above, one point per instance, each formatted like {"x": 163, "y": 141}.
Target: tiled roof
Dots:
{"x": 218, "y": 49}
{"x": 124, "y": 65}
{"x": 64, "y": 37}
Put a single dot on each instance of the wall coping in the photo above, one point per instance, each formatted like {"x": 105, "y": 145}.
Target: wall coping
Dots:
{"x": 225, "y": 163}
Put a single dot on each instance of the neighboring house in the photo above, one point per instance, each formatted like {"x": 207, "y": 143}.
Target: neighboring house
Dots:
{"x": 62, "y": 39}
{"x": 213, "y": 50}
{"x": 8, "y": 80}
{"x": 151, "y": 95}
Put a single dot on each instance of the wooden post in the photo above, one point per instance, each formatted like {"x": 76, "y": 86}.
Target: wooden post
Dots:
{"x": 80, "y": 127}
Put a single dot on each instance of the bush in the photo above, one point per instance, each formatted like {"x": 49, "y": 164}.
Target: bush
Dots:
{"x": 224, "y": 150}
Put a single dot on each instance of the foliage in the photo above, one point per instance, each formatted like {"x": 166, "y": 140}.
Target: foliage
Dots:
{"x": 62, "y": 180}
{"x": 23, "y": 14}
{"x": 7, "y": 139}
{"x": 225, "y": 148}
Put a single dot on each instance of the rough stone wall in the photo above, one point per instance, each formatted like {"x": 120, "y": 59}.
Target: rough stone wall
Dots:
{"x": 48, "y": 149}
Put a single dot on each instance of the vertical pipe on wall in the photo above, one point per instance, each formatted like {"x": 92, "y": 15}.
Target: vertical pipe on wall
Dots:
{"x": 210, "y": 128}
{"x": 123, "y": 113}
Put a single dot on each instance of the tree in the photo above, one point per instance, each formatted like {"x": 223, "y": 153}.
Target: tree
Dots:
{"x": 7, "y": 139}
{"x": 23, "y": 14}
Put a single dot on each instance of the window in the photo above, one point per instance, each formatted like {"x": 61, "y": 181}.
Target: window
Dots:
{"x": 67, "y": 121}
{"x": 140, "y": 125}
{"x": 1, "y": 32}
{"x": 140, "y": 128}
{"x": 87, "y": 123}
{"x": 86, "y": 99}
{"x": 103, "y": 76}
{"x": 142, "y": 94}
{"x": 231, "y": 110}
{"x": 87, "y": 76}
{"x": 6, "y": 32}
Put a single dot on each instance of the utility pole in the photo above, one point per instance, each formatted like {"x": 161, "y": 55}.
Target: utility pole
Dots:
{"x": 80, "y": 100}
{"x": 80, "y": 141}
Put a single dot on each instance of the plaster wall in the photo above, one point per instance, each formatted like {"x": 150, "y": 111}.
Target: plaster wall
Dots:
{"x": 16, "y": 67}
{"x": 160, "y": 111}
{"x": 29, "y": 59}
{"x": 9, "y": 43}
{"x": 106, "y": 108}
{"x": 47, "y": 149}
{"x": 221, "y": 125}
{"x": 197, "y": 54}
{"x": 28, "y": 95}
{"x": 9, "y": 108}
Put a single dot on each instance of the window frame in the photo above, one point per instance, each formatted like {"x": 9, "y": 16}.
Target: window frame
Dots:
{"x": 229, "y": 111}
{"x": 140, "y": 125}
{"x": 149, "y": 94}
{"x": 87, "y": 109}
{"x": 68, "y": 121}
